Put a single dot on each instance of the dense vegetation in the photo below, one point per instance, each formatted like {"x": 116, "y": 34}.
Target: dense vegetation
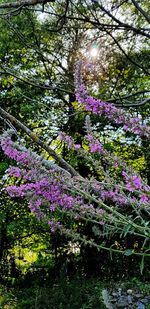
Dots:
{"x": 75, "y": 152}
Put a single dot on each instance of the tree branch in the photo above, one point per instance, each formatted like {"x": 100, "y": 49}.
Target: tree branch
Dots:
{"x": 136, "y": 104}
{"x": 119, "y": 23}
{"x": 22, "y": 3}
{"x": 141, "y": 10}
{"x": 127, "y": 56}
{"x": 129, "y": 95}
{"x": 34, "y": 137}
{"x": 31, "y": 83}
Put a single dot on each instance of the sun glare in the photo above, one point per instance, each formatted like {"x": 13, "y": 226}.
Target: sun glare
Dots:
{"x": 93, "y": 52}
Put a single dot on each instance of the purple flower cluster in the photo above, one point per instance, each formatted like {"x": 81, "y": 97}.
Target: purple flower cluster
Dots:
{"x": 49, "y": 191}
{"x": 115, "y": 197}
{"x": 69, "y": 141}
{"x": 95, "y": 145}
{"x": 21, "y": 190}
{"x": 14, "y": 171}
{"x": 109, "y": 110}
{"x": 54, "y": 225}
{"x": 22, "y": 157}
{"x": 34, "y": 206}
{"x": 134, "y": 183}
{"x": 52, "y": 191}
{"x": 40, "y": 186}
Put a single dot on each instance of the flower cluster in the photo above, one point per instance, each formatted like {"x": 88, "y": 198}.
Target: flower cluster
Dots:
{"x": 118, "y": 197}
{"x": 7, "y": 146}
{"x": 45, "y": 189}
{"x": 34, "y": 206}
{"x": 50, "y": 189}
{"x": 95, "y": 145}
{"x": 134, "y": 183}
{"x": 115, "y": 197}
{"x": 69, "y": 141}
{"x": 116, "y": 115}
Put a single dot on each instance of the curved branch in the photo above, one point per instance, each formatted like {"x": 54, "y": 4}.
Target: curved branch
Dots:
{"x": 136, "y": 104}
{"x": 129, "y": 96}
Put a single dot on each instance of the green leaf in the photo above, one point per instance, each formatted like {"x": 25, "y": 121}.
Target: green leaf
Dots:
{"x": 111, "y": 257}
{"x": 3, "y": 167}
{"x": 142, "y": 265}
{"x": 126, "y": 229}
{"x": 128, "y": 252}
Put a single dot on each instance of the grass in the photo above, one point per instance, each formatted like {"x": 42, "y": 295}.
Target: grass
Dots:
{"x": 77, "y": 293}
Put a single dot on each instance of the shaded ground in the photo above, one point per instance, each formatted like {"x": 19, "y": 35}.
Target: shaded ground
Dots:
{"x": 77, "y": 293}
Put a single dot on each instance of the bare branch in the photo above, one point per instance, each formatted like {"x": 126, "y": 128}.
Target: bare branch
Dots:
{"x": 119, "y": 23}
{"x": 136, "y": 104}
{"x": 127, "y": 56}
{"x": 141, "y": 10}
{"x": 128, "y": 96}
{"x": 22, "y": 3}
{"x": 34, "y": 84}
{"x": 127, "y": 26}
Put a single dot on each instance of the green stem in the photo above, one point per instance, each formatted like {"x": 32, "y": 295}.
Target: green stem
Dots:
{"x": 112, "y": 210}
{"x": 77, "y": 237}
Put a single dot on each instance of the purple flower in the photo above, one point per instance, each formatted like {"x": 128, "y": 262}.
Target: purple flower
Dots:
{"x": 97, "y": 147}
{"x": 54, "y": 225}
{"x": 137, "y": 182}
{"x": 14, "y": 171}
{"x": 144, "y": 198}
{"x": 77, "y": 146}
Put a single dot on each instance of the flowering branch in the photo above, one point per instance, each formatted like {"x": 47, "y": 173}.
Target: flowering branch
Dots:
{"x": 38, "y": 141}
{"x": 54, "y": 195}
{"x": 116, "y": 115}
